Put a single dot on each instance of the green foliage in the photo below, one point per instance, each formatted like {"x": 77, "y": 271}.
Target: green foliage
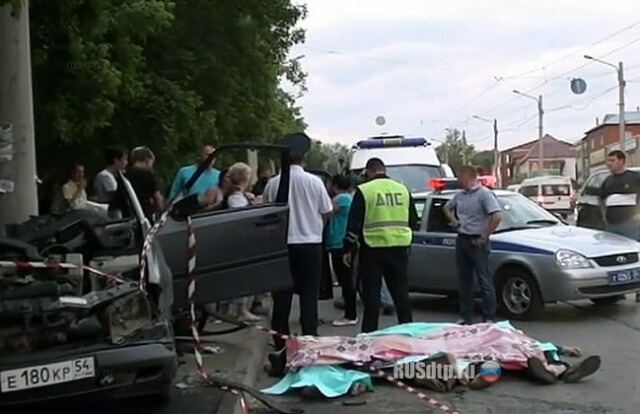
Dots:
{"x": 172, "y": 75}
{"x": 456, "y": 152}
{"x": 327, "y": 157}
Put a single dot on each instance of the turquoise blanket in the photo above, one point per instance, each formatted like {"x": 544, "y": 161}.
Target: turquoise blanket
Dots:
{"x": 334, "y": 380}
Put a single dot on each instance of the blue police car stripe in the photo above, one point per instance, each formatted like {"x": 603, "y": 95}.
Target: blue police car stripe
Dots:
{"x": 495, "y": 245}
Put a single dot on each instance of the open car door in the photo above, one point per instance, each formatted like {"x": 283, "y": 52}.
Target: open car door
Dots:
{"x": 239, "y": 252}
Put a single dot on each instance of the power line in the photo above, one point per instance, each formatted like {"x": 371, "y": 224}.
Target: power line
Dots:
{"x": 562, "y": 75}
{"x": 382, "y": 60}
{"x": 624, "y": 29}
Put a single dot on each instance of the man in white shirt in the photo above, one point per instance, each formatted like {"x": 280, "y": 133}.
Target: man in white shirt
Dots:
{"x": 309, "y": 207}
{"x": 105, "y": 184}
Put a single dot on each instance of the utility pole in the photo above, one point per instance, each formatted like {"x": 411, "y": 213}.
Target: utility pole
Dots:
{"x": 16, "y": 111}
{"x": 540, "y": 128}
{"x": 621, "y": 121}
{"x": 496, "y": 154}
{"x": 540, "y": 136}
{"x": 464, "y": 147}
{"x": 621, "y": 85}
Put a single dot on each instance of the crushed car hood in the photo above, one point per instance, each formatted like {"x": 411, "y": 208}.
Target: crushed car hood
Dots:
{"x": 590, "y": 243}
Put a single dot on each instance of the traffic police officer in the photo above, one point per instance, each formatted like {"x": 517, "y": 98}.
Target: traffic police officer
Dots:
{"x": 381, "y": 218}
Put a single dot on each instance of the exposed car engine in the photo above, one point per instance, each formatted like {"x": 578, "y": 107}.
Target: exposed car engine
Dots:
{"x": 45, "y": 308}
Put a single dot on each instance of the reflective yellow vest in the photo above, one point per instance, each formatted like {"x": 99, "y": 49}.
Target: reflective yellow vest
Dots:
{"x": 386, "y": 213}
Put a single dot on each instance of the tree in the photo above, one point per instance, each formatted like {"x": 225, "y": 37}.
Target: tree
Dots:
{"x": 327, "y": 157}
{"x": 172, "y": 75}
{"x": 483, "y": 159}
{"x": 455, "y": 150}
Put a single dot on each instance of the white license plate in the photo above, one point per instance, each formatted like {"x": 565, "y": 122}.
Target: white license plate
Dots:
{"x": 46, "y": 375}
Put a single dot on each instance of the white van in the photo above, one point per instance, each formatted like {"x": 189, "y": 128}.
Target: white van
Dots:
{"x": 554, "y": 193}
{"x": 411, "y": 161}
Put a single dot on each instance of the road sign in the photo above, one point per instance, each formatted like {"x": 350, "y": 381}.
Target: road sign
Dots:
{"x": 578, "y": 86}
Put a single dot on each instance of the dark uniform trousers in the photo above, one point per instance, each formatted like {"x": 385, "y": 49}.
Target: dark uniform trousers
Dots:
{"x": 305, "y": 262}
{"x": 392, "y": 262}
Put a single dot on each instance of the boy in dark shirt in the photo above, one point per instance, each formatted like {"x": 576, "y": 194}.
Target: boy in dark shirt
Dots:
{"x": 619, "y": 199}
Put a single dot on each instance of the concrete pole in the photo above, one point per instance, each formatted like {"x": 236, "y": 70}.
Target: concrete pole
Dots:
{"x": 16, "y": 109}
{"x": 496, "y": 154}
{"x": 621, "y": 121}
{"x": 540, "y": 136}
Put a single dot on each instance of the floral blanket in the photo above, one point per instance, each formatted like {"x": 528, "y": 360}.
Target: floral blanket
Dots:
{"x": 315, "y": 361}
{"x": 475, "y": 343}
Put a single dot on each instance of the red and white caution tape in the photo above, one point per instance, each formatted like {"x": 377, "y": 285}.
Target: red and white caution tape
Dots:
{"x": 53, "y": 265}
{"x": 191, "y": 255}
{"x": 197, "y": 344}
{"x": 146, "y": 247}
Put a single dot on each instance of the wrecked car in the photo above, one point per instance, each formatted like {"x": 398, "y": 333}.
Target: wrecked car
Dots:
{"x": 69, "y": 333}
{"x": 80, "y": 332}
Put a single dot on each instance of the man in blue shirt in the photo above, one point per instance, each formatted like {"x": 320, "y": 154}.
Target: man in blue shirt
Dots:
{"x": 336, "y": 232}
{"x": 208, "y": 179}
{"x": 475, "y": 213}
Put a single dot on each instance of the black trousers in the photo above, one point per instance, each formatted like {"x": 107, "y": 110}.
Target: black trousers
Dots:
{"x": 305, "y": 262}
{"x": 345, "y": 278}
{"x": 391, "y": 262}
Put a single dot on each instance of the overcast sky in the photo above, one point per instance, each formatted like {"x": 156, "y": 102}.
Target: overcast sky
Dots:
{"x": 426, "y": 65}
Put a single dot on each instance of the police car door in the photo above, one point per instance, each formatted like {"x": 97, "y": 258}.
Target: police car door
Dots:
{"x": 432, "y": 267}
{"x": 589, "y": 214}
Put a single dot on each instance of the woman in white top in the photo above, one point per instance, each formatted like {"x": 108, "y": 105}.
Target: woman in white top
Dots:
{"x": 237, "y": 196}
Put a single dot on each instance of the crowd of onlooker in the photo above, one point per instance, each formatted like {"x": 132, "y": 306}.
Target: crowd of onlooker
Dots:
{"x": 216, "y": 190}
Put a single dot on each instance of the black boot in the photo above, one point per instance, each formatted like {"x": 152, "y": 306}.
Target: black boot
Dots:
{"x": 278, "y": 363}
{"x": 539, "y": 373}
{"x": 582, "y": 370}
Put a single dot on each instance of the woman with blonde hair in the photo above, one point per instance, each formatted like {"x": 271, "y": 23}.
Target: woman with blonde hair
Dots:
{"x": 239, "y": 176}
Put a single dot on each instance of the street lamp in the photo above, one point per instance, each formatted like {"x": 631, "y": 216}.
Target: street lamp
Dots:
{"x": 496, "y": 154}
{"x": 621, "y": 84}
{"x": 540, "y": 129}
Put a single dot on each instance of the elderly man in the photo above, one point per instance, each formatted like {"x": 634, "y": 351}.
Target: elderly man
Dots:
{"x": 475, "y": 213}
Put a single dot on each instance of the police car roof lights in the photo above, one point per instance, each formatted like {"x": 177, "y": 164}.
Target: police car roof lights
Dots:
{"x": 442, "y": 184}
{"x": 390, "y": 142}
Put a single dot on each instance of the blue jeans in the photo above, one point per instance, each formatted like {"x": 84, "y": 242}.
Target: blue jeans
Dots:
{"x": 630, "y": 229}
{"x": 470, "y": 259}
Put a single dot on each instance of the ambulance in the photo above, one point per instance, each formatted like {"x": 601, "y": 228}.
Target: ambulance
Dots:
{"x": 411, "y": 161}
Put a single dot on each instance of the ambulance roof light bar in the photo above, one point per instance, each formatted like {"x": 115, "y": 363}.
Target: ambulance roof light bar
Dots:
{"x": 442, "y": 184}
{"x": 391, "y": 142}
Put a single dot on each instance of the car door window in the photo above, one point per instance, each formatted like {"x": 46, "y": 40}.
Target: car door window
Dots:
{"x": 437, "y": 220}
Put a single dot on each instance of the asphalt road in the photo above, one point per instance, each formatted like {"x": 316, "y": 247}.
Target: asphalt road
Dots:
{"x": 611, "y": 332}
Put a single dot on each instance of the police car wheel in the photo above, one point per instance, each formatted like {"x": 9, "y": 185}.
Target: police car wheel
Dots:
{"x": 611, "y": 300}
{"x": 518, "y": 294}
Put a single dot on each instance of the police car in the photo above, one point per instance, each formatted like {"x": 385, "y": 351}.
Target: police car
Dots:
{"x": 411, "y": 161}
{"x": 536, "y": 258}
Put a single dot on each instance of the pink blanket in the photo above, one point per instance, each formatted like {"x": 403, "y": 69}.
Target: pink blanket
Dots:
{"x": 474, "y": 343}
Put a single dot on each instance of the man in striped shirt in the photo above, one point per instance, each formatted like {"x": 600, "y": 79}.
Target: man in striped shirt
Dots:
{"x": 619, "y": 199}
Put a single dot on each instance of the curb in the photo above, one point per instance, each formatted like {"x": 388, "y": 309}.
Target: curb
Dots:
{"x": 252, "y": 367}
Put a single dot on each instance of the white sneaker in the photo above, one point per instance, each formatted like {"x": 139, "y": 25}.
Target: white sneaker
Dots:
{"x": 345, "y": 322}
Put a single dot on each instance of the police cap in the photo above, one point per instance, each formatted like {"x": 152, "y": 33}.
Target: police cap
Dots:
{"x": 298, "y": 142}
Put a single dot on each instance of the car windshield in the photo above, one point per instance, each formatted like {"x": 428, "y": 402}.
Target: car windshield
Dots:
{"x": 415, "y": 177}
{"x": 519, "y": 212}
